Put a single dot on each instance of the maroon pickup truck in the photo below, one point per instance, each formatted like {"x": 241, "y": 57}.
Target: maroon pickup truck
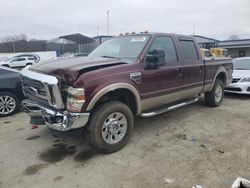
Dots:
{"x": 135, "y": 75}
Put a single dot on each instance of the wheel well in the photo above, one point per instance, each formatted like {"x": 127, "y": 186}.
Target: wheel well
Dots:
{"x": 123, "y": 95}
{"x": 222, "y": 76}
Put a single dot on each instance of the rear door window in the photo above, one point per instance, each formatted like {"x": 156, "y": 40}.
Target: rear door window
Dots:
{"x": 188, "y": 49}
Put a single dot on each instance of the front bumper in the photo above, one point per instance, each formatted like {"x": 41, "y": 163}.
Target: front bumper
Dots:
{"x": 240, "y": 88}
{"x": 54, "y": 119}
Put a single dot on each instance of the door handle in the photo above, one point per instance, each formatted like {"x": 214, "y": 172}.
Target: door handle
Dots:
{"x": 180, "y": 71}
{"x": 201, "y": 67}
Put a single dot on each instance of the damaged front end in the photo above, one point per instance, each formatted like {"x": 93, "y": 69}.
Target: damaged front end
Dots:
{"x": 45, "y": 105}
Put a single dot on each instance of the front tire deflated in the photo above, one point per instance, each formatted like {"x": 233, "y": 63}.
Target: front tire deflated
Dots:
{"x": 110, "y": 127}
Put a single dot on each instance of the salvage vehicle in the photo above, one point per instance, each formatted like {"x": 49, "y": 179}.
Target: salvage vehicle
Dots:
{"x": 135, "y": 75}
{"x": 241, "y": 76}
{"x": 11, "y": 93}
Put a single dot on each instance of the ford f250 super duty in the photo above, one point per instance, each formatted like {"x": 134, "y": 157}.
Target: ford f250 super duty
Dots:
{"x": 135, "y": 75}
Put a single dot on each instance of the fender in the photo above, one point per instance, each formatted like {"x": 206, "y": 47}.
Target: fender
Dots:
{"x": 220, "y": 70}
{"x": 113, "y": 87}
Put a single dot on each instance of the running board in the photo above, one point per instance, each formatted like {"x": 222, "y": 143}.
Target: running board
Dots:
{"x": 163, "y": 110}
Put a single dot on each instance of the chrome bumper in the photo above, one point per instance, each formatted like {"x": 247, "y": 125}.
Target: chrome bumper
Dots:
{"x": 57, "y": 120}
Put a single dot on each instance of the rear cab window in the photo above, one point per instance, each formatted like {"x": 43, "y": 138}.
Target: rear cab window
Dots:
{"x": 188, "y": 51}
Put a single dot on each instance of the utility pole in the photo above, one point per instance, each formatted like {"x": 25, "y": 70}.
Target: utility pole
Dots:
{"x": 14, "y": 47}
{"x": 79, "y": 28}
{"x": 97, "y": 31}
{"x": 107, "y": 22}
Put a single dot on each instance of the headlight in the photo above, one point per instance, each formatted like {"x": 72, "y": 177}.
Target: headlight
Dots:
{"x": 245, "y": 79}
{"x": 75, "y": 99}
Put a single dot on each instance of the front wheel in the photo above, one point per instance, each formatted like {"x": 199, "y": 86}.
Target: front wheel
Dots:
{"x": 216, "y": 95}
{"x": 110, "y": 127}
{"x": 9, "y": 104}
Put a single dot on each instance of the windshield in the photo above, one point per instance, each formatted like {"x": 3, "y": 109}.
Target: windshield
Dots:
{"x": 128, "y": 47}
{"x": 241, "y": 64}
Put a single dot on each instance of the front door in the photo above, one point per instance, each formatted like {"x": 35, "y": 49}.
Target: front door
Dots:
{"x": 159, "y": 86}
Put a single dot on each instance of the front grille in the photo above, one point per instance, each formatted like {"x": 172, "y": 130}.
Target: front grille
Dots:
{"x": 235, "y": 80}
{"x": 233, "y": 89}
{"x": 34, "y": 90}
{"x": 42, "y": 88}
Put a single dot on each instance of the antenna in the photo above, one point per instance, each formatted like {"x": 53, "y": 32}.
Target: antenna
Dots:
{"x": 193, "y": 29}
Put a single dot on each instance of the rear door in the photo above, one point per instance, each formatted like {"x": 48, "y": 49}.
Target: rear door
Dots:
{"x": 159, "y": 85}
{"x": 193, "y": 69}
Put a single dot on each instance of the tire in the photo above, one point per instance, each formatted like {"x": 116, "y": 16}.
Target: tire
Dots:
{"x": 113, "y": 135}
{"x": 9, "y": 104}
{"x": 28, "y": 64}
{"x": 5, "y": 65}
{"x": 216, "y": 95}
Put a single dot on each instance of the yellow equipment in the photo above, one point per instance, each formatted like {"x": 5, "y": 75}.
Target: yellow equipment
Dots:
{"x": 219, "y": 52}
{"x": 205, "y": 52}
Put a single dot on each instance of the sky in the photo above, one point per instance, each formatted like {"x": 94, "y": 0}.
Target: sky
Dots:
{"x": 48, "y": 19}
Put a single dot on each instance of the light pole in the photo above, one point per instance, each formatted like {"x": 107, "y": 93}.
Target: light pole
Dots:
{"x": 97, "y": 31}
{"x": 107, "y": 22}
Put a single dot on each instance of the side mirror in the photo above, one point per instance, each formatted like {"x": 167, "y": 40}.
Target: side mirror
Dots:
{"x": 154, "y": 59}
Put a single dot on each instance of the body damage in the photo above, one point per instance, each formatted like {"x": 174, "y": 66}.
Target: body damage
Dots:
{"x": 68, "y": 70}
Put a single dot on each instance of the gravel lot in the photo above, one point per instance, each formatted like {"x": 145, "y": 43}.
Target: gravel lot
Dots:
{"x": 195, "y": 145}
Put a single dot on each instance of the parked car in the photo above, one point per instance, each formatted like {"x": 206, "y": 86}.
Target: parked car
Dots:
{"x": 11, "y": 93}
{"x": 19, "y": 62}
{"x": 144, "y": 75}
{"x": 241, "y": 76}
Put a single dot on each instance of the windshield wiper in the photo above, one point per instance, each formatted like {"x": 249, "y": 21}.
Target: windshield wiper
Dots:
{"x": 106, "y": 56}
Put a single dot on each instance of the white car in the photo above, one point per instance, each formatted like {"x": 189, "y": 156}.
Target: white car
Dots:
{"x": 18, "y": 62}
{"x": 241, "y": 76}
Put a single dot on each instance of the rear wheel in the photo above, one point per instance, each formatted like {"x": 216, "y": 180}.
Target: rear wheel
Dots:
{"x": 9, "y": 104}
{"x": 110, "y": 127}
{"x": 216, "y": 95}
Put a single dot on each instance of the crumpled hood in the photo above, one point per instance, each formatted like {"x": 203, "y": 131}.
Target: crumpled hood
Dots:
{"x": 241, "y": 73}
{"x": 68, "y": 69}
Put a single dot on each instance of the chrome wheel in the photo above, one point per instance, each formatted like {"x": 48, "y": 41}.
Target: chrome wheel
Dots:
{"x": 7, "y": 105}
{"x": 114, "y": 128}
{"x": 218, "y": 93}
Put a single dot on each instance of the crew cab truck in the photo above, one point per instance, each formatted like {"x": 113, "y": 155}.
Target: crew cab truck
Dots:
{"x": 135, "y": 75}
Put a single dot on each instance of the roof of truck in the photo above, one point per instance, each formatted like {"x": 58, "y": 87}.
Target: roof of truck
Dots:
{"x": 160, "y": 34}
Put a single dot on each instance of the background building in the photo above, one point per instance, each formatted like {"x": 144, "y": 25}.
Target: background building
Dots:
{"x": 206, "y": 42}
{"x": 236, "y": 48}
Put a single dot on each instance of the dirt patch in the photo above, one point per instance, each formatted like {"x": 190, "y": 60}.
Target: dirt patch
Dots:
{"x": 56, "y": 141}
{"x": 220, "y": 151}
{"x": 57, "y": 153}
{"x": 34, "y": 169}
{"x": 58, "y": 178}
{"x": 84, "y": 155}
{"x": 33, "y": 137}
{"x": 20, "y": 129}
{"x": 181, "y": 136}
